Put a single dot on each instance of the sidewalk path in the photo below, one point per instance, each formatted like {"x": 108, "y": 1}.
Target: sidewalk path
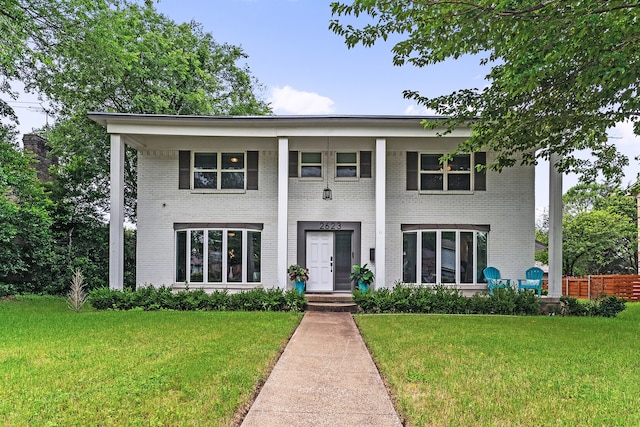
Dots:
{"x": 325, "y": 377}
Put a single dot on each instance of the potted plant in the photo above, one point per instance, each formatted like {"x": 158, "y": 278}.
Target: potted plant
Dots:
{"x": 362, "y": 275}
{"x": 299, "y": 275}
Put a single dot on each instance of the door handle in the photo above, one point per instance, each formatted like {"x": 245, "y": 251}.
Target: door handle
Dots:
{"x": 331, "y": 264}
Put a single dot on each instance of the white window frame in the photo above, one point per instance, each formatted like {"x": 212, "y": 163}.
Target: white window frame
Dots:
{"x": 205, "y": 256}
{"x": 356, "y": 164}
{"x": 445, "y": 171}
{"x": 219, "y": 171}
{"x": 320, "y": 164}
{"x": 438, "y": 266}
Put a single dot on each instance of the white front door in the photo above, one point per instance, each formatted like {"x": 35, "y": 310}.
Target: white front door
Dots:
{"x": 320, "y": 261}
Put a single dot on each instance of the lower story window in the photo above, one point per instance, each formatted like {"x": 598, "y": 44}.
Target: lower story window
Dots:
{"x": 218, "y": 256}
{"x": 444, "y": 256}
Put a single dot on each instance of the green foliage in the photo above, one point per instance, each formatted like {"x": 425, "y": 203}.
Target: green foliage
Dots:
{"x": 546, "y": 92}
{"x": 606, "y": 306}
{"x": 298, "y": 273}
{"x": 25, "y": 239}
{"x": 150, "y": 298}
{"x": 6, "y": 290}
{"x": 361, "y": 274}
{"x": 445, "y": 300}
{"x": 600, "y": 231}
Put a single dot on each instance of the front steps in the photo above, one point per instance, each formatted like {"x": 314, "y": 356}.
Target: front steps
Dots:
{"x": 341, "y": 302}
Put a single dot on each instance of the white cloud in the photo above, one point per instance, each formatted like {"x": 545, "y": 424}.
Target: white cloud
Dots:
{"x": 287, "y": 100}
{"x": 414, "y": 110}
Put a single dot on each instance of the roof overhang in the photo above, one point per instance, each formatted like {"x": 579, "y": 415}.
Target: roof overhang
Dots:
{"x": 270, "y": 126}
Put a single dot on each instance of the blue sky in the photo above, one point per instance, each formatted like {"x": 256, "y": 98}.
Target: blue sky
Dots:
{"x": 306, "y": 69}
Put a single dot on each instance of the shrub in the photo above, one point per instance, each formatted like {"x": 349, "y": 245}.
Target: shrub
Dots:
{"x": 151, "y": 298}
{"x": 294, "y": 301}
{"x": 77, "y": 296}
{"x": 609, "y": 306}
{"x": 6, "y": 290}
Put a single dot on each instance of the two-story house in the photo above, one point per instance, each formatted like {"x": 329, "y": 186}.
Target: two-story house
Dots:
{"x": 230, "y": 202}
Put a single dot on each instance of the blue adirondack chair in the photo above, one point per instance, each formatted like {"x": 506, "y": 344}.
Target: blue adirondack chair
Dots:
{"x": 494, "y": 281}
{"x": 533, "y": 280}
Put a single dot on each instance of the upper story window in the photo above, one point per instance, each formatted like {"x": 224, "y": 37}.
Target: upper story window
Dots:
{"x": 347, "y": 165}
{"x": 218, "y": 170}
{"x": 310, "y": 165}
{"x": 426, "y": 173}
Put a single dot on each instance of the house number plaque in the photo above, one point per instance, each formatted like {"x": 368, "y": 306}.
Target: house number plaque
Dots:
{"x": 330, "y": 226}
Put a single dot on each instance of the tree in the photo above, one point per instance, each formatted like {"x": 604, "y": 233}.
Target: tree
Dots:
{"x": 114, "y": 56}
{"x": 25, "y": 239}
{"x": 147, "y": 64}
{"x": 599, "y": 231}
{"x": 561, "y": 72}
{"x": 29, "y": 28}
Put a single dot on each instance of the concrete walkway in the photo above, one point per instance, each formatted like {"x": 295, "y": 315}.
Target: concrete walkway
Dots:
{"x": 325, "y": 377}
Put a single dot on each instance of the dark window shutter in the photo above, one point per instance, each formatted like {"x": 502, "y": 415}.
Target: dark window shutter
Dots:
{"x": 293, "y": 164}
{"x": 412, "y": 170}
{"x": 252, "y": 170}
{"x": 480, "y": 178}
{"x": 365, "y": 164}
{"x": 184, "y": 170}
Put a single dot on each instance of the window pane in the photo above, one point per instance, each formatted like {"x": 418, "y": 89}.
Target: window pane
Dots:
{"x": 459, "y": 181}
{"x": 232, "y": 161}
{"x": 466, "y": 257}
{"x": 197, "y": 251}
{"x": 448, "y": 247}
{"x": 347, "y": 158}
{"x": 181, "y": 256}
{"x": 214, "y": 264}
{"x": 430, "y": 162}
{"x": 311, "y": 172}
{"x": 311, "y": 157}
{"x": 430, "y": 181}
{"x": 253, "y": 256}
{"x": 233, "y": 180}
{"x": 234, "y": 256}
{"x": 346, "y": 172}
{"x": 461, "y": 162}
{"x": 205, "y": 160}
{"x": 481, "y": 253}
{"x": 205, "y": 180}
{"x": 429, "y": 257}
{"x": 409, "y": 257}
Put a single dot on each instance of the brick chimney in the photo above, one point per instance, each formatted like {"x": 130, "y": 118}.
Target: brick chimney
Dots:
{"x": 38, "y": 146}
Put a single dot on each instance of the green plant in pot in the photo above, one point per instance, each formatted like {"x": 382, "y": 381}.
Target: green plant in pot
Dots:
{"x": 299, "y": 275}
{"x": 362, "y": 275}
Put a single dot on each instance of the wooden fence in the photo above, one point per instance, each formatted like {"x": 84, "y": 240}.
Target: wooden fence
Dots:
{"x": 591, "y": 287}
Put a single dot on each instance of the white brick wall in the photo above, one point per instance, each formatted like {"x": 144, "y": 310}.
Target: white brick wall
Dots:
{"x": 507, "y": 205}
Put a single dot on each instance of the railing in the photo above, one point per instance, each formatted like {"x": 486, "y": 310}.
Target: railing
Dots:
{"x": 591, "y": 287}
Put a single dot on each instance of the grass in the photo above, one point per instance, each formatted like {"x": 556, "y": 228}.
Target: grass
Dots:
{"x": 131, "y": 368}
{"x": 509, "y": 370}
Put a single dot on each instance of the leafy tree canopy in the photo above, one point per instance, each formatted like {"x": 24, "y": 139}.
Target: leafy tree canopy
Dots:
{"x": 599, "y": 231}
{"x": 562, "y": 72}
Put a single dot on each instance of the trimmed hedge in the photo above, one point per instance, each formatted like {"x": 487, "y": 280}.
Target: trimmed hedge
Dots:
{"x": 450, "y": 300}
{"x": 163, "y": 298}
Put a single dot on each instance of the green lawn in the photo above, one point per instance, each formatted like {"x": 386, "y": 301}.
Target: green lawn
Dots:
{"x": 131, "y": 368}
{"x": 510, "y": 371}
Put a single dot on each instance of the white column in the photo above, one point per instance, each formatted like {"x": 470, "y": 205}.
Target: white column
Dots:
{"x": 116, "y": 218}
{"x": 381, "y": 205}
{"x": 283, "y": 208}
{"x": 555, "y": 228}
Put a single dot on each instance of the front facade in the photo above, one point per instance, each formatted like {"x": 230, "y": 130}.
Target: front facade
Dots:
{"x": 231, "y": 202}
